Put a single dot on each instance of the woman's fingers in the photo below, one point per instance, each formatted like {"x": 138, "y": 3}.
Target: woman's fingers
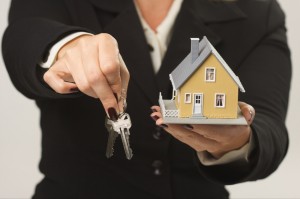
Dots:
{"x": 216, "y": 139}
{"x": 55, "y": 79}
{"x": 74, "y": 63}
{"x": 193, "y": 139}
{"x": 109, "y": 61}
{"x": 155, "y": 109}
{"x": 95, "y": 78}
{"x": 207, "y": 131}
{"x": 125, "y": 77}
{"x": 94, "y": 64}
{"x": 110, "y": 67}
{"x": 248, "y": 112}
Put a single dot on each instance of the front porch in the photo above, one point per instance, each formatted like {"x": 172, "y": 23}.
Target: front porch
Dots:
{"x": 168, "y": 108}
{"x": 170, "y": 115}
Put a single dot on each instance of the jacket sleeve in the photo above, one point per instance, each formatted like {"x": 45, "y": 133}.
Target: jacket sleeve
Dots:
{"x": 34, "y": 26}
{"x": 266, "y": 75}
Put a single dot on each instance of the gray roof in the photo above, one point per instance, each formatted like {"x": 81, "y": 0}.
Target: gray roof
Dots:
{"x": 185, "y": 69}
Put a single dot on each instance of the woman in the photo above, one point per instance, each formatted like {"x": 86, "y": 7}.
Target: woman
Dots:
{"x": 68, "y": 55}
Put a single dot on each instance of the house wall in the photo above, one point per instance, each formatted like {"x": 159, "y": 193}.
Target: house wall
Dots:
{"x": 223, "y": 84}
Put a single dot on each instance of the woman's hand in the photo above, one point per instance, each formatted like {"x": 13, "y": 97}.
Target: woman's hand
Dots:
{"x": 94, "y": 64}
{"x": 215, "y": 139}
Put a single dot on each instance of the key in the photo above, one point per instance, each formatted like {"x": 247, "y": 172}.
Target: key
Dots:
{"x": 125, "y": 135}
{"x": 112, "y": 135}
{"x": 121, "y": 126}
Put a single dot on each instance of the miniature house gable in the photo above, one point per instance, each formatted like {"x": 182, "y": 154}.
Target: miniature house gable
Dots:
{"x": 199, "y": 53}
{"x": 204, "y": 87}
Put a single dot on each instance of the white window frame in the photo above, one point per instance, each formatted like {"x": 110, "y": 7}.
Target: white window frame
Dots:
{"x": 185, "y": 98}
{"x": 224, "y": 104}
{"x": 205, "y": 74}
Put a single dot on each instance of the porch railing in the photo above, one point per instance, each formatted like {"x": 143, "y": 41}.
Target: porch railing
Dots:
{"x": 164, "y": 110}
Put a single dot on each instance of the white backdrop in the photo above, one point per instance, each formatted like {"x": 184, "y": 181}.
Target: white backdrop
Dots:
{"x": 20, "y": 132}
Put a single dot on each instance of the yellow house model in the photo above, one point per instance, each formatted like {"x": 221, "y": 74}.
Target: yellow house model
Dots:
{"x": 204, "y": 89}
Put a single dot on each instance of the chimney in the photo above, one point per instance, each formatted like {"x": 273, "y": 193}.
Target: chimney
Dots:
{"x": 194, "y": 48}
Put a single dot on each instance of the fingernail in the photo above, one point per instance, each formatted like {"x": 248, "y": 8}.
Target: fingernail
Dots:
{"x": 112, "y": 114}
{"x": 188, "y": 126}
{"x": 74, "y": 90}
{"x": 163, "y": 126}
{"x": 251, "y": 114}
{"x": 155, "y": 117}
{"x": 153, "y": 110}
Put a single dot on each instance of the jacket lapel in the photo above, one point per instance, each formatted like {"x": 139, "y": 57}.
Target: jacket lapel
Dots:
{"x": 215, "y": 11}
{"x": 128, "y": 31}
{"x": 115, "y": 6}
{"x": 193, "y": 21}
{"x": 83, "y": 14}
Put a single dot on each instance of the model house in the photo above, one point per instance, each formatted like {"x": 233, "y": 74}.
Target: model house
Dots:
{"x": 204, "y": 87}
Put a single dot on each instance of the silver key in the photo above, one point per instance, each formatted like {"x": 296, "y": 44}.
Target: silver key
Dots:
{"x": 125, "y": 135}
{"x": 112, "y": 135}
{"x": 121, "y": 126}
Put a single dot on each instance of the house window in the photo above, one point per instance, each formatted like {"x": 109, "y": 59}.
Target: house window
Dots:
{"x": 210, "y": 74}
{"x": 188, "y": 98}
{"x": 220, "y": 100}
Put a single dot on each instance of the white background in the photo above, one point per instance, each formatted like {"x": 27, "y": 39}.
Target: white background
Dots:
{"x": 20, "y": 132}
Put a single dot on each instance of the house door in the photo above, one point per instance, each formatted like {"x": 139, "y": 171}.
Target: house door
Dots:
{"x": 198, "y": 104}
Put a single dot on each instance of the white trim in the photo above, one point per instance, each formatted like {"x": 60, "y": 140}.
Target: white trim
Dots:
{"x": 172, "y": 81}
{"x": 193, "y": 103}
{"x": 57, "y": 46}
{"x": 215, "y": 102}
{"x": 214, "y": 79}
{"x": 227, "y": 68}
{"x": 174, "y": 94}
{"x": 185, "y": 98}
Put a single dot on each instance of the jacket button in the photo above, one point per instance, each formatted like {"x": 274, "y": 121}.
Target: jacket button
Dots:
{"x": 157, "y": 165}
{"x": 158, "y": 134}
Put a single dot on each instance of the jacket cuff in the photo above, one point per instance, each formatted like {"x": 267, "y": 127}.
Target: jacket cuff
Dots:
{"x": 56, "y": 47}
{"x": 241, "y": 154}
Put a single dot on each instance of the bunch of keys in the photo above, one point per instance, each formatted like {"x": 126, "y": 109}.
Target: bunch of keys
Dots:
{"x": 119, "y": 127}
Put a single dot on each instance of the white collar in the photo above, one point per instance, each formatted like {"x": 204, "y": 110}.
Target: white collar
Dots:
{"x": 160, "y": 40}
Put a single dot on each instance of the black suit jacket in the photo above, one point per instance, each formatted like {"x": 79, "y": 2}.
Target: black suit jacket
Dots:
{"x": 249, "y": 34}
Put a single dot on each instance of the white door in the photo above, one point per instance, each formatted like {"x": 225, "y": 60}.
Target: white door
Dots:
{"x": 198, "y": 104}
